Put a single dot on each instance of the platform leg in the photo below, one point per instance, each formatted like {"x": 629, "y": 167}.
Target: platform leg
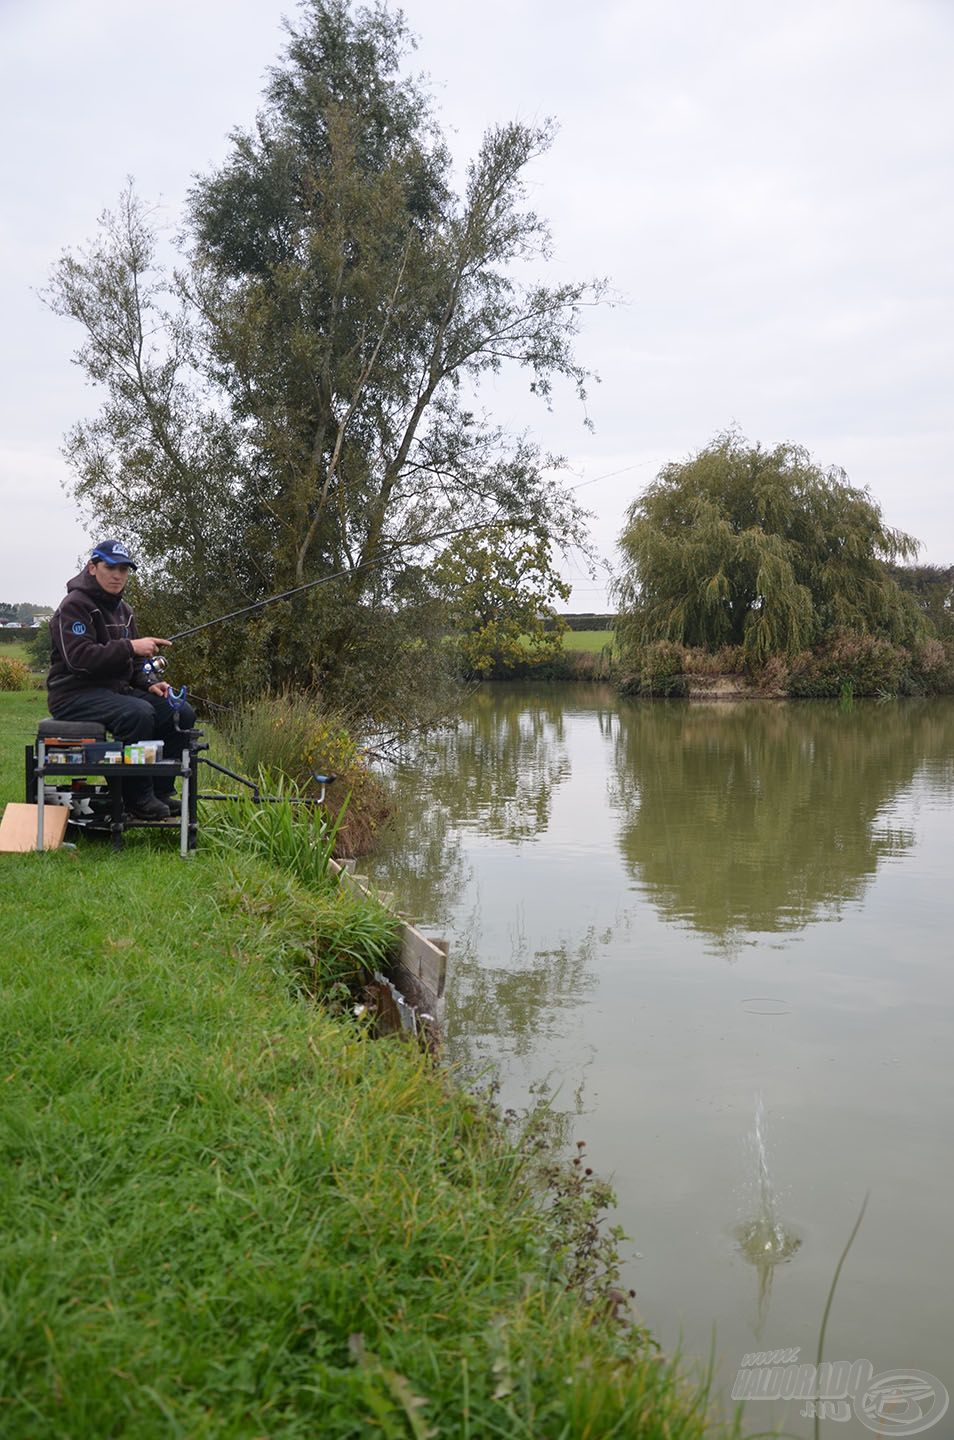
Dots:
{"x": 184, "y": 817}
{"x": 193, "y": 806}
{"x": 40, "y": 793}
{"x": 116, "y": 810}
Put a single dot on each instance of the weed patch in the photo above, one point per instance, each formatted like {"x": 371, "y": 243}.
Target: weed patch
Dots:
{"x": 659, "y": 671}
{"x": 294, "y": 837}
{"x": 329, "y": 941}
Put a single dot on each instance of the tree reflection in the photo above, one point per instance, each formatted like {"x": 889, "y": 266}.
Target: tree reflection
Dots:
{"x": 421, "y": 862}
{"x": 759, "y": 817}
{"x": 494, "y": 772}
{"x": 517, "y": 1005}
{"x": 499, "y": 766}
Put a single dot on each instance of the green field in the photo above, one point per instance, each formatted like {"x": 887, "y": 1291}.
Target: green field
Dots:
{"x": 228, "y": 1211}
{"x": 592, "y": 641}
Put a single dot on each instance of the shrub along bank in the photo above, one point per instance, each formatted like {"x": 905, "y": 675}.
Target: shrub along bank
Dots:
{"x": 228, "y": 1211}
{"x": 847, "y": 664}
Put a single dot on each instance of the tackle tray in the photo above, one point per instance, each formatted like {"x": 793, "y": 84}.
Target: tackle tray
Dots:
{"x": 77, "y": 738}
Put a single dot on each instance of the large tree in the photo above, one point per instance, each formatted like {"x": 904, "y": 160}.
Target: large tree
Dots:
{"x": 298, "y": 399}
{"x": 502, "y": 589}
{"x": 761, "y": 548}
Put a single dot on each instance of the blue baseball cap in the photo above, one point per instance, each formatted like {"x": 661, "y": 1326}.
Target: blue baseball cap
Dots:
{"x": 113, "y": 552}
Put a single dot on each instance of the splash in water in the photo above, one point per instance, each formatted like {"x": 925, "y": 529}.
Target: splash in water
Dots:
{"x": 763, "y": 1239}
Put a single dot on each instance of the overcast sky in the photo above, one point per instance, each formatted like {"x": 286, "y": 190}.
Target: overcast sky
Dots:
{"x": 768, "y": 184}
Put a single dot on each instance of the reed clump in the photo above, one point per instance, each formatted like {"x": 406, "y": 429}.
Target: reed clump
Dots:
{"x": 291, "y": 735}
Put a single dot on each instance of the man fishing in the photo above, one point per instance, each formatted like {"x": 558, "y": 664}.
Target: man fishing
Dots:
{"x": 96, "y": 673}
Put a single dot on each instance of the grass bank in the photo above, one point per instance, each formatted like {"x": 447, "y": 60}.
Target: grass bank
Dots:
{"x": 227, "y": 1211}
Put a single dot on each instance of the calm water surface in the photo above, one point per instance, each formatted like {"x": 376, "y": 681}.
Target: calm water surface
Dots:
{"x": 672, "y": 912}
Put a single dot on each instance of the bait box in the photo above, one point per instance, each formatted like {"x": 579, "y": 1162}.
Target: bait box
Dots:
{"x": 99, "y": 751}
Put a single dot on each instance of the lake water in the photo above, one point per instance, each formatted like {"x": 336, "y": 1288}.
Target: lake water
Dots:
{"x": 675, "y": 913}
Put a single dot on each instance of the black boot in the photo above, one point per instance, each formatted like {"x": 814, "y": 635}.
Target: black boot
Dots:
{"x": 148, "y": 807}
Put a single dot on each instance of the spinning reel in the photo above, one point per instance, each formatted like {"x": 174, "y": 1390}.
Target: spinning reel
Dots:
{"x": 154, "y": 669}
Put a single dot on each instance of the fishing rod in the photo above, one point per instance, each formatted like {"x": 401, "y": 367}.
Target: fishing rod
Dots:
{"x": 327, "y": 579}
{"x": 365, "y": 565}
{"x": 260, "y": 604}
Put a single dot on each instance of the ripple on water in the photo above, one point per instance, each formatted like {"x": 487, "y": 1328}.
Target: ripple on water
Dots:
{"x": 766, "y": 1005}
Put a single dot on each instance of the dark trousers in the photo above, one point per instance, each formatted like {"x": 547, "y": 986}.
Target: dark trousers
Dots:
{"x": 129, "y": 717}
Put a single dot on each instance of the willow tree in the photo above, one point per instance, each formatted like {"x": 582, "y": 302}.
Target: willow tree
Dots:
{"x": 760, "y": 548}
{"x": 931, "y": 587}
{"x": 298, "y": 400}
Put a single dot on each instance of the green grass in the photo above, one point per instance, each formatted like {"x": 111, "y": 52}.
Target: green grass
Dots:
{"x": 589, "y": 641}
{"x": 227, "y": 1211}
{"x": 592, "y": 641}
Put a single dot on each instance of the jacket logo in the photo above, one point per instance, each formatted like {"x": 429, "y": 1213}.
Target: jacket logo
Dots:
{"x": 79, "y": 628}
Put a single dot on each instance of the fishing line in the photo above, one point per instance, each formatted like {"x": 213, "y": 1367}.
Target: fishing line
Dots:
{"x": 370, "y": 564}
{"x": 327, "y": 579}
{"x": 640, "y": 465}
{"x": 213, "y": 704}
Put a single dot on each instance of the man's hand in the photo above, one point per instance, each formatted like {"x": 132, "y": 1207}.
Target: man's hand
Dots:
{"x": 147, "y": 645}
{"x": 161, "y": 688}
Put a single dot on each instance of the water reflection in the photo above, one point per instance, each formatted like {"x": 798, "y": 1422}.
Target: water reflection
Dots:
{"x": 520, "y": 1002}
{"x": 497, "y": 770}
{"x": 584, "y": 856}
{"x": 421, "y": 860}
{"x": 734, "y": 819}
{"x": 494, "y": 773}
{"x": 754, "y": 818}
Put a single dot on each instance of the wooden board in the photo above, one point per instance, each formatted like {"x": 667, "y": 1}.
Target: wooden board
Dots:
{"x": 420, "y": 971}
{"x": 425, "y": 960}
{"x": 18, "y": 827}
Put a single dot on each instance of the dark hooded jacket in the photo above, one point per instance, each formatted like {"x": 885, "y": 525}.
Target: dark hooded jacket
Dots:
{"x": 90, "y": 643}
